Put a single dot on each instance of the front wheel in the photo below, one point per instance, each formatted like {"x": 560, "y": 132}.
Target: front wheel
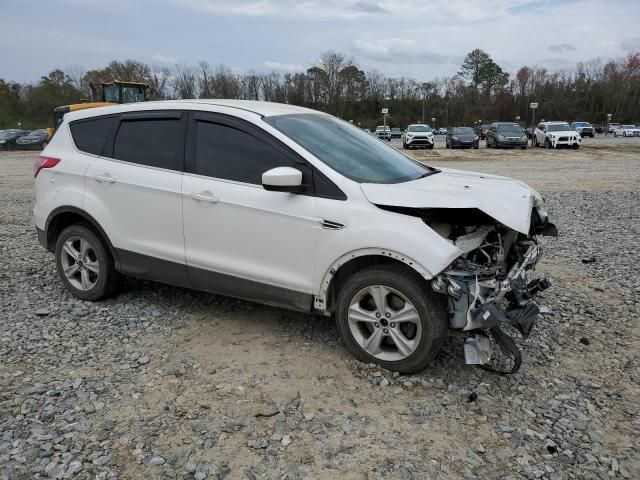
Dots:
{"x": 547, "y": 144}
{"x": 388, "y": 315}
{"x": 85, "y": 264}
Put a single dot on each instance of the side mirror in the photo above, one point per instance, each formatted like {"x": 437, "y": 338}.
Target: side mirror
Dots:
{"x": 282, "y": 179}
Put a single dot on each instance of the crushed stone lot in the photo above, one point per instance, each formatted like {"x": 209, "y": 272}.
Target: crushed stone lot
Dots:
{"x": 164, "y": 382}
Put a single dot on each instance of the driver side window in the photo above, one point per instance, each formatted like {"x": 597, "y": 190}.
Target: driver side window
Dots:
{"x": 229, "y": 153}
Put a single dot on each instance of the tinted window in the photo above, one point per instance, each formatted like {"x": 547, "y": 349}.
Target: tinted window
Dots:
{"x": 151, "y": 142}
{"x": 91, "y": 135}
{"x": 463, "y": 131}
{"x": 231, "y": 154}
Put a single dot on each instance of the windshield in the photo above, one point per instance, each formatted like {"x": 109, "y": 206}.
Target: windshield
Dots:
{"x": 510, "y": 129}
{"x": 582, "y": 124}
{"x": 558, "y": 128}
{"x": 629, "y": 126}
{"x": 348, "y": 150}
{"x": 463, "y": 131}
{"x": 36, "y": 133}
{"x": 7, "y": 133}
{"x": 419, "y": 128}
{"x": 395, "y": 129}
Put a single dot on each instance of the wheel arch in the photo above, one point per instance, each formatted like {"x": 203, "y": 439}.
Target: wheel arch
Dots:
{"x": 354, "y": 261}
{"x": 64, "y": 216}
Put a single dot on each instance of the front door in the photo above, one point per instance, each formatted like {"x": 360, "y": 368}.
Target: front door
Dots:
{"x": 241, "y": 239}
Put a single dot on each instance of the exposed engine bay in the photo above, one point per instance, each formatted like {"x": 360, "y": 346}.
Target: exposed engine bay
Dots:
{"x": 490, "y": 285}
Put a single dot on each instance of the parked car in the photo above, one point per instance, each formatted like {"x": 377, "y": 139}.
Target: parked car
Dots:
{"x": 382, "y": 132}
{"x": 627, "y": 131}
{"x": 36, "y": 140}
{"x": 366, "y": 130}
{"x": 9, "y": 137}
{"x": 529, "y": 132}
{"x": 329, "y": 221}
{"x": 442, "y": 131}
{"x": 417, "y": 135}
{"x": 506, "y": 134}
{"x": 555, "y": 135}
{"x": 613, "y": 126}
{"x": 396, "y": 132}
{"x": 598, "y": 128}
{"x": 462, "y": 137}
{"x": 585, "y": 129}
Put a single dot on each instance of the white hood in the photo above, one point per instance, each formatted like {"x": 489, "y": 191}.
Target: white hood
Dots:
{"x": 508, "y": 201}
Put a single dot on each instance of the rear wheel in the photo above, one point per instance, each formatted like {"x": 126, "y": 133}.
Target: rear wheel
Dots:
{"x": 85, "y": 264}
{"x": 387, "y": 315}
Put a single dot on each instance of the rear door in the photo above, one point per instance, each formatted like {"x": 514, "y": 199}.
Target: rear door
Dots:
{"x": 134, "y": 192}
{"x": 241, "y": 239}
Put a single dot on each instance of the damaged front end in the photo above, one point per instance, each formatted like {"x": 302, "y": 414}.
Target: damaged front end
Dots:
{"x": 490, "y": 285}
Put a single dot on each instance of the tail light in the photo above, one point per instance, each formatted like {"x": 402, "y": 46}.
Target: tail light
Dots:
{"x": 44, "y": 162}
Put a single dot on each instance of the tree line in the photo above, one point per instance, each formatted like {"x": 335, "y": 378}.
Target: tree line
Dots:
{"x": 480, "y": 91}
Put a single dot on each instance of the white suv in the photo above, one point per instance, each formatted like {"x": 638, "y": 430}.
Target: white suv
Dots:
{"x": 555, "y": 135}
{"x": 417, "y": 135}
{"x": 292, "y": 207}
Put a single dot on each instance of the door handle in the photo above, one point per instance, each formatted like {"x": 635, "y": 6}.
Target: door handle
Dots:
{"x": 105, "y": 177}
{"x": 205, "y": 197}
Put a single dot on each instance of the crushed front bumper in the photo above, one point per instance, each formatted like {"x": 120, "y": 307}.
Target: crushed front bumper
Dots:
{"x": 483, "y": 302}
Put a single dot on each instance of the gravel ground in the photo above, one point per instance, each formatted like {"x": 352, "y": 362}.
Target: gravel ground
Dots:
{"x": 163, "y": 382}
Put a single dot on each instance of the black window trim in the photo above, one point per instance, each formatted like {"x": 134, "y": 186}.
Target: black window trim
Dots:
{"x": 181, "y": 115}
{"x": 261, "y": 134}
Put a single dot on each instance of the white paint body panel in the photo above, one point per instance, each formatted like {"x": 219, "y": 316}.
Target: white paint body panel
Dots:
{"x": 141, "y": 210}
{"x": 251, "y": 233}
{"x": 508, "y": 201}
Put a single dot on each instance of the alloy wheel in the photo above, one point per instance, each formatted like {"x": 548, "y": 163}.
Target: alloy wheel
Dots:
{"x": 80, "y": 263}
{"x": 384, "y": 323}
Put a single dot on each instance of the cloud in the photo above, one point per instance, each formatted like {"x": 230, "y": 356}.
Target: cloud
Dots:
{"x": 369, "y": 7}
{"x": 631, "y": 44}
{"x": 562, "y": 47}
{"x": 220, "y": 7}
{"x": 163, "y": 59}
{"x": 283, "y": 67}
{"x": 397, "y": 51}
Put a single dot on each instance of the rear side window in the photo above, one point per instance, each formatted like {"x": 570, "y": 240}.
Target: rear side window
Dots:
{"x": 91, "y": 135}
{"x": 232, "y": 154}
{"x": 152, "y": 142}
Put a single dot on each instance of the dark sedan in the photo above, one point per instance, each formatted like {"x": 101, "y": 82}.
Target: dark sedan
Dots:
{"x": 462, "y": 137}
{"x": 506, "y": 134}
{"x": 36, "y": 140}
{"x": 9, "y": 137}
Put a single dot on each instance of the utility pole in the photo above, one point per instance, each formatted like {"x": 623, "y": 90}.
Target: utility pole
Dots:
{"x": 533, "y": 106}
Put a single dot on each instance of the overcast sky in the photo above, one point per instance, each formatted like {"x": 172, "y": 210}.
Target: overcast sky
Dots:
{"x": 422, "y": 39}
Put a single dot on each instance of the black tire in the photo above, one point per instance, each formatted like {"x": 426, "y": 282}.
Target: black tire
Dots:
{"x": 547, "y": 144}
{"x": 615, "y": 134}
{"x": 476, "y": 147}
{"x": 108, "y": 279}
{"x": 430, "y": 147}
{"x": 535, "y": 141}
{"x": 523, "y": 148}
{"x": 429, "y": 305}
